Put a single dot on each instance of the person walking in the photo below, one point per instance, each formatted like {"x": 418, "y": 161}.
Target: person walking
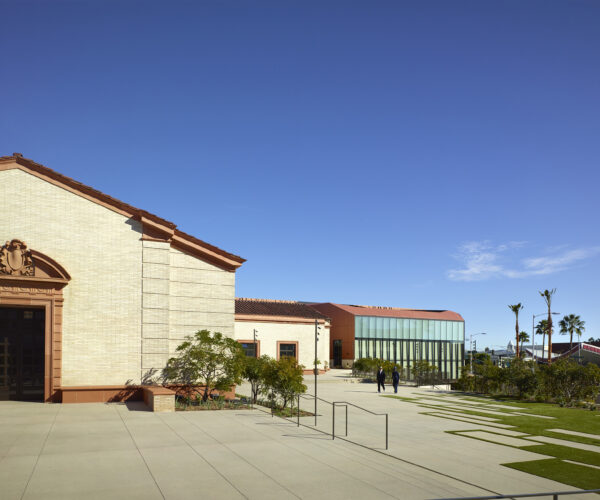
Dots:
{"x": 380, "y": 379}
{"x": 395, "y": 379}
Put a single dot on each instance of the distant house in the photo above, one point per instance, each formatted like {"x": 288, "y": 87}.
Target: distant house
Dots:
{"x": 282, "y": 328}
{"x": 583, "y": 352}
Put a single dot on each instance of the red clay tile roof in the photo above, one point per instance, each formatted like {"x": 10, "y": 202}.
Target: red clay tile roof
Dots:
{"x": 396, "y": 312}
{"x": 560, "y": 347}
{"x": 263, "y": 307}
{"x": 117, "y": 204}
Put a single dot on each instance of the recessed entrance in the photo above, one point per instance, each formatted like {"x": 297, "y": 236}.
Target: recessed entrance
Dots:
{"x": 22, "y": 342}
{"x": 337, "y": 353}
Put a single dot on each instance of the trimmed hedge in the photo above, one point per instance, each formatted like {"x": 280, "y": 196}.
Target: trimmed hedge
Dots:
{"x": 564, "y": 381}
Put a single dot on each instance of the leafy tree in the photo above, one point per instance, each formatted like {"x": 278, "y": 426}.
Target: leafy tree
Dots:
{"x": 424, "y": 372}
{"x": 206, "y": 359}
{"x": 520, "y": 377}
{"x": 572, "y": 324}
{"x": 523, "y": 337}
{"x": 569, "y": 382}
{"x": 255, "y": 372}
{"x": 284, "y": 378}
{"x": 547, "y": 296}
{"x": 368, "y": 368}
{"x": 516, "y": 308}
{"x": 592, "y": 339}
{"x": 486, "y": 376}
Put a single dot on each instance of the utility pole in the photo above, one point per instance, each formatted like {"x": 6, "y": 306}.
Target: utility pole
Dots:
{"x": 316, "y": 340}
{"x": 471, "y": 345}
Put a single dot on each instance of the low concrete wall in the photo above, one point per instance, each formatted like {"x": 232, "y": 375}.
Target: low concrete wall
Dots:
{"x": 159, "y": 399}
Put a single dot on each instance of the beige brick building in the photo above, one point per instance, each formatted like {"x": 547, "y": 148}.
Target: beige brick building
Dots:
{"x": 96, "y": 294}
{"x": 282, "y": 328}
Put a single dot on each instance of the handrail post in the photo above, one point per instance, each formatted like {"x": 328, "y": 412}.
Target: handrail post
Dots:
{"x": 298, "y": 410}
{"x": 386, "y": 431}
{"x": 333, "y": 424}
{"x": 346, "y": 420}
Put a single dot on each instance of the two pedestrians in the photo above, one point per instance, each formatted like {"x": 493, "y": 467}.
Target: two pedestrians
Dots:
{"x": 381, "y": 379}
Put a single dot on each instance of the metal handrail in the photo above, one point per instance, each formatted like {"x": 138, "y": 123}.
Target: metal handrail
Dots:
{"x": 363, "y": 409}
{"x": 313, "y": 398}
{"x": 554, "y": 494}
{"x": 334, "y": 404}
{"x": 333, "y": 420}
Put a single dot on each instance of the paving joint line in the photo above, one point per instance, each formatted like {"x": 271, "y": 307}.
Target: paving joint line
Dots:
{"x": 249, "y": 463}
{"x": 326, "y": 463}
{"x": 200, "y": 455}
{"x": 139, "y": 452}
{"x": 40, "y": 452}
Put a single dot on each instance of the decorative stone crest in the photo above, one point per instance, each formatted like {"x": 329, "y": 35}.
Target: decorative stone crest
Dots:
{"x": 15, "y": 259}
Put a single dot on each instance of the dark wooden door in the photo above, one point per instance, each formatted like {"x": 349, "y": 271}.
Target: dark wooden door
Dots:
{"x": 337, "y": 353}
{"x": 22, "y": 332}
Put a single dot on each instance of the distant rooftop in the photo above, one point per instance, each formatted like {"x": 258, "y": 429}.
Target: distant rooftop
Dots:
{"x": 398, "y": 312}
{"x": 266, "y": 307}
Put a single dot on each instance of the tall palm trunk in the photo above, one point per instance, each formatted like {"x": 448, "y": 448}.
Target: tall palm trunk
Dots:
{"x": 516, "y": 308}
{"x": 517, "y": 335}
{"x": 543, "y": 342}
{"x": 571, "y": 339}
{"x": 547, "y": 295}
{"x": 549, "y": 334}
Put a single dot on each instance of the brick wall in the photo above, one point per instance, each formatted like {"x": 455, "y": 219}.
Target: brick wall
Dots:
{"x": 130, "y": 302}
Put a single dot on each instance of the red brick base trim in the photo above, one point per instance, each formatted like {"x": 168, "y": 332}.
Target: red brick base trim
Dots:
{"x": 120, "y": 393}
{"x": 101, "y": 394}
{"x": 312, "y": 372}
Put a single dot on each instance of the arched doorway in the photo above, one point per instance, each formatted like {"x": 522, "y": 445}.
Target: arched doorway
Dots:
{"x": 31, "y": 303}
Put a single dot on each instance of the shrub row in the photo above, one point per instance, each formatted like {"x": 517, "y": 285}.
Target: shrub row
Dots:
{"x": 422, "y": 372}
{"x": 564, "y": 381}
{"x": 279, "y": 380}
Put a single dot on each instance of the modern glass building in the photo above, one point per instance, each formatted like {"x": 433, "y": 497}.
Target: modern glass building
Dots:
{"x": 402, "y": 336}
{"x": 404, "y": 341}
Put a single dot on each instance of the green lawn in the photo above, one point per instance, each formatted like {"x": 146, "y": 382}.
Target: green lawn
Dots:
{"x": 572, "y": 419}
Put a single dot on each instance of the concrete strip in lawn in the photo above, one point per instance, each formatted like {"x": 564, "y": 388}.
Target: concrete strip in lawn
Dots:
{"x": 534, "y": 415}
{"x": 564, "y": 442}
{"x": 461, "y": 418}
{"x": 495, "y": 438}
{"x": 584, "y": 465}
{"x": 575, "y": 433}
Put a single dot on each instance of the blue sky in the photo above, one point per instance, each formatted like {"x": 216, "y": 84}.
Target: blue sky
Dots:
{"x": 437, "y": 155}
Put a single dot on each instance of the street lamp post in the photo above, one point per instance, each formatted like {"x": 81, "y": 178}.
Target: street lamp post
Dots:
{"x": 254, "y": 332}
{"x": 471, "y": 349}
{"x": 316, "y": 340}
{"x": 533, "y": 333}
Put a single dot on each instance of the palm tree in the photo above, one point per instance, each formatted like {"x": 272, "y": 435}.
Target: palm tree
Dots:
{"x": 571, "y": 324}
{"x": 540, "y": 329}
{"x": 547, "y": 295}
{"x": 516, "y": 308}
{"x": 523, "y": 337}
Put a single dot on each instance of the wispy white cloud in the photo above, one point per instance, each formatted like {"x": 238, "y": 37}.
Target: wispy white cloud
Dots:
{"x": 560, "y": 262}
{"x": 482, "y": 260}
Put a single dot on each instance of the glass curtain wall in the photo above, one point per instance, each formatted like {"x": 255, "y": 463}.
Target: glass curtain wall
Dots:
{"x": 404, "y": 341}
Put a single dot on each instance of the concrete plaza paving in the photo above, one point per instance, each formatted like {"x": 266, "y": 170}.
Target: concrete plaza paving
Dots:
{"x": 119, "y": 451}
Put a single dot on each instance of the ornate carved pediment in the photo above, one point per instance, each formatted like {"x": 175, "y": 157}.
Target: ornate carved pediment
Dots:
{"x": 15, "y": 259}
{"x": 20, "y": 265}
